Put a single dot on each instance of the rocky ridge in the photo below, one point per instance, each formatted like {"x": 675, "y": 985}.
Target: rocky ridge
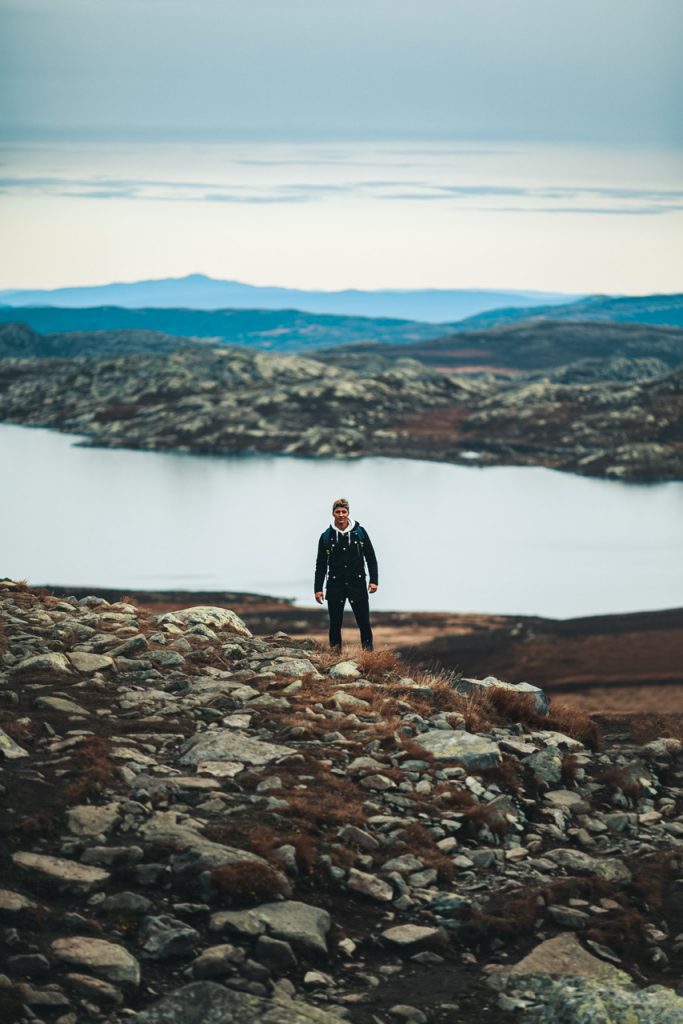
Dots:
{"x": 204, "y": 825}
{"x": 223, "y": 400}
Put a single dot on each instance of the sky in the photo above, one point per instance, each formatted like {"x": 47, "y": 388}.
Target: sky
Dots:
{"x": 317, "y": 144}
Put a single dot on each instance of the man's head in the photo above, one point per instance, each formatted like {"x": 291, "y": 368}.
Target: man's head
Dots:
{"x": 340, "y": 511}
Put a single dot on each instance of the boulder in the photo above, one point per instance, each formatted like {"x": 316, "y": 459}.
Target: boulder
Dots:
{"x": 472, "y": 751}
{"x": 10, "y": 750}
{"x": 229, "y": 745}
{"x": 105, "y": 959}
{"x": 300, "y": 924}
{"x": 206, "y": 615}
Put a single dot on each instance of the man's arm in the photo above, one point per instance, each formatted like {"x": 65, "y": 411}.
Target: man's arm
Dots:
{"x": 320, "y": 570}
{"x": 371, "y": 560}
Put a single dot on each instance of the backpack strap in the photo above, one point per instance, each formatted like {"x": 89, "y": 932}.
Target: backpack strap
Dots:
{"x": 360, "y": 533}
{"x": 327, "y": 538}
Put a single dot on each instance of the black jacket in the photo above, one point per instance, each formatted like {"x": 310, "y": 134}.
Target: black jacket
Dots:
{"x": 343, "y": 562}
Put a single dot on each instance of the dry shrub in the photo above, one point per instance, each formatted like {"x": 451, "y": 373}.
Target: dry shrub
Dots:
{"x": 499, "y": 706}
{"x": 94, "y": 767}
{"x": 415, "y": 751}
{"x": 376, "y": 665}
{"x": 507, "y": 774}
{"x": 20, "y": 732}
{"x": 501, "y": 920}
{"x": 244, "y": 883}
{"x": 487, "y": 816}
{"x": 327, "y": 800}
{"x": 651, "y": 877}
{"x": 647, "y": 727}
{"x": 620, "y": 777}
{"x": 620, "y": 931}
{"x": 417, "y": 839}
{"x": 4, "y": 646}
{"x": 569, "y": 768}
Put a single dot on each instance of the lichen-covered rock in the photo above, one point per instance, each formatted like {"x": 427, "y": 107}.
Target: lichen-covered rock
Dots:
{"x": 206, "y": 1002}
{"x": 473, "y": 751}
{"x": 536, "y": 697}
{"x": 206, "y": 615}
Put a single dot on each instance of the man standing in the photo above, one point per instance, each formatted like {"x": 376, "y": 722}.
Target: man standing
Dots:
{"x": 343, "y": 549}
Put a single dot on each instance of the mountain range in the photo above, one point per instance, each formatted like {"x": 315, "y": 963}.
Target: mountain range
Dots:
{"x": 197, "y": 291}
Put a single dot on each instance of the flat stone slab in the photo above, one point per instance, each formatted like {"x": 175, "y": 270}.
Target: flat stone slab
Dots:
{"x": 306, "y": 927}
{"x": 51, "y": 662}
{"x": 564, "y": 955}
{"x": 471, "y": 750}
{"x": 537, "y": 697}
{"x": 105, "y": 959}
{"x": 206, "y": 1002}
{"x": 67, "y": 707}
{"x": 230, "y": 745}
{"x": 67, "y": 875}
{"x": 206, "y": 615}
{"x": 406, "y": 935}
{"x": 12, "y": 903}
{"x": 87, "y": 663}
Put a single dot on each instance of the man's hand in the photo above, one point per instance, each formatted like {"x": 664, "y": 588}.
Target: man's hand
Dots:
{"x": 319, "y": 596}
{"x": 372, "y": 587}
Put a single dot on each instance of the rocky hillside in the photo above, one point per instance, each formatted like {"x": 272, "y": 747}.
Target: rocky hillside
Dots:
{"x": 201, "y": 825}
{"x": 236, "y": 400}
{"x": 639, "y": 309}
{"x": 540, "y": 346}
{"x": 19, "y": 341}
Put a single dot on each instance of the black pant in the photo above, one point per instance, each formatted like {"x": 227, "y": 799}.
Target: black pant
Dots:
{"x": 361, "y": 609}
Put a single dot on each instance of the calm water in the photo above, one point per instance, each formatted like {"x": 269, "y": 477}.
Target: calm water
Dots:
{"x": 508, "y": 540}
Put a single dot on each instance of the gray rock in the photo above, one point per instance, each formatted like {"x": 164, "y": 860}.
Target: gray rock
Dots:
{"x": 473, "y": 751}
{"x": 573, "y": 860}
{"x": 88, "y": 820}
{"x": 344, "y": 670}
{"x": 230, "y": 745}
{"x": 205, "y": 1002}
{"x": 67, "y": 707}
{"x": 10, "y": 750}
{"x": 50, "y": 663}
{"x": 409, "y": 936}
{"x": 296, "y": 667}
{"x": 87, "y": 663}
{"x": 66, "y": 875}
{"x": 306, "y": 927}
{"x": 215, "y": 962}
{"x": 105, "y": 959}
{"x": 370, "y": 885}
{"x": 94, "y": 989}
{"x": 275, "y": 953}
{"x": 547, "y": 764}
{"x": 13, "y": 903}
{"x": 206, "y": 615}
{"x": 164, "y": 937}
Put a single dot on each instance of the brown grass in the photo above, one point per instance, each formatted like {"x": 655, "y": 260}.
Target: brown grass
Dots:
{"x": 377, "y": 665}
{"x": 243, "y": 884}
{"x": 504, "y": 920}
{"x": 94, "y": 767}
{"x": 618, "y": 778}
{"x": 569, "y": 768}
{"x": 651, "y": 877}
{"x": 507, "y": 774}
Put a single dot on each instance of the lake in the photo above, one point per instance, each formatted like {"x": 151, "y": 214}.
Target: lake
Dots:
{"x": 509, "y": 540}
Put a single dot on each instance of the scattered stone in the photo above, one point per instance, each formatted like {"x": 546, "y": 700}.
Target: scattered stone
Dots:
{"x": 206, "y": 615}
{"x": 205, "y": 1002}
{"x": 370, "y": 885}
{"x": 105, "y": 959}
{"x": 9, "y": 749}
{"x": 230, "y": 745}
